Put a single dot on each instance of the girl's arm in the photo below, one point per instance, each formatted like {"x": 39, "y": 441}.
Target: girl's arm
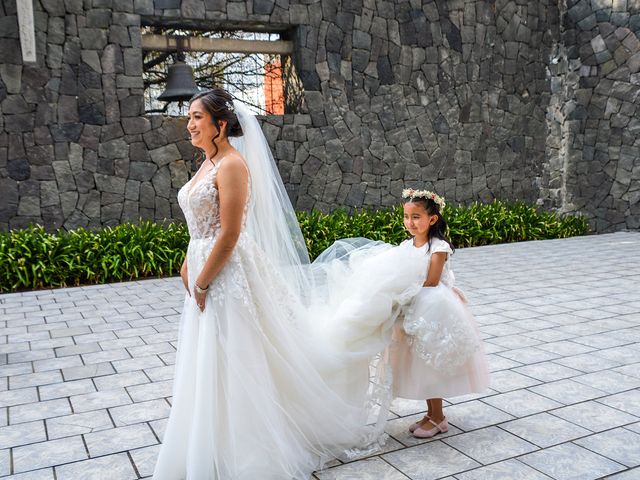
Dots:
{"x": 232, "y": 180}
{"x": 436, "y": 265}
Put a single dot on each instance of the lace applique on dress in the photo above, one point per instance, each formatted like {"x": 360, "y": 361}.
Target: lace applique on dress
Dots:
{"x": 200, "y": 203}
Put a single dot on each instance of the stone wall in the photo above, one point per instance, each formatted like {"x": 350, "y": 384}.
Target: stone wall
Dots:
{"x": 593, "y": 155}
{"x": 473, "y": 98}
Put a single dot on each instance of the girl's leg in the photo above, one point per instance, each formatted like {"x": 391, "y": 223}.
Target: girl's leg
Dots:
{"x": 435, "y": 409}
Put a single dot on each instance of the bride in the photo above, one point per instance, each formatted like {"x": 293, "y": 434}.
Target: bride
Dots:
{"x": 258, "y": 393}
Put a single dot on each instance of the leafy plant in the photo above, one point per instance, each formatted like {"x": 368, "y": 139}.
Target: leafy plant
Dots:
{"x": 476, "y": 224}
{"x": 33, "y": 258}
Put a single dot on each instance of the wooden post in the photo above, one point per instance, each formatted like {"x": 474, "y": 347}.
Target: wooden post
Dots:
{"x": 165, "y": 43}
{"x": 27, "y": 32}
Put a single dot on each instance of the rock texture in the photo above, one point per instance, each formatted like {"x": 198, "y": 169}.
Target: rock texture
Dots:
{"x": 508, "y": 99}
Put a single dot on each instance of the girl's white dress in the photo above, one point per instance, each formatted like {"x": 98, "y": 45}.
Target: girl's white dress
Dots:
{"x": 255, "y": 395}
{"x": 374, "y": 302}
{"x": 436, "y": 351}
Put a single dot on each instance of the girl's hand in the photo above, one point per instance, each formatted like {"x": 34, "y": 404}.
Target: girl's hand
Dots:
{"x": 200, "y": 295}
{"x": 185, "y": 276}
{"x": 460, "y": 295}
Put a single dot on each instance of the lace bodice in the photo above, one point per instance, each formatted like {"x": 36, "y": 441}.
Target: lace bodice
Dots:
{"x": 201, "y": 205}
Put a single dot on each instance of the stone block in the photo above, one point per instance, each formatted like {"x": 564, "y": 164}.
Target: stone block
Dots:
{"x": 119, "y": 35}
{"x": 93, "y": 38}
{"x": 164, "y": 155}
{"x": 116, "y": 148}
{"x": 111, "y": 184}
{"x": 135, "y": 125}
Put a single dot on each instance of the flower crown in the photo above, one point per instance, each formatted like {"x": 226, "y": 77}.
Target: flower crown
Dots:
{"x": 412, "y": 193}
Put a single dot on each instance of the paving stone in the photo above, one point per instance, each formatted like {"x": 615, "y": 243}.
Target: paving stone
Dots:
{"x": 87, "y": 371}
{"x": 17, "y": 397}
{"x": 587, "y": 363}
{"x": 620, "y": 445}
{"x": 99, "y": 400}
{"x": 66, "y": 389}
{"x": 5, "y": 462}
{"x": 490, "y": 445}
{"x": 38, "y": 411}
{"x": 521, "y": 403}
{"x": 626, "y": 401}
{"x": 119, "y": 439}
{"x": 22, "y": 434}
{"x": 609, "y": 381}
{"x": 475, "y": 414}
{"x": 544, "y": 430}
{"x": 42, "y": 474}
{"x": 145, "y": 459}
{"x": 430, "y": 461}
{"x": 150, "y": 391}
{"x": 78, "y": 423}
{"x": 109, "y": 382}
{"x": 547, "y": 371}
{"x": 57, "y": 363}
{"x": 508, "y": 469}
{"x": 116, "y": 467}
{"x": 594, "y": 416}
{"x": 507, "y": 380}
{"x": 568, "y": 461}
{"x": 34, "y": 379}
{"x": 568, "y": 391}
{"x": 139, "y": 412}
{"x": 47, "y": 454}
{"x": 368, "y": 469}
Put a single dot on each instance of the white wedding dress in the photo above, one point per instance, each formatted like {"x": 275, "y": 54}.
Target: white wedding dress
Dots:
{"x": 256, "y": 396}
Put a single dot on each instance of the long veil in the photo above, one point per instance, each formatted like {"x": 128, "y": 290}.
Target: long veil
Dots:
{"x": 271, "y": 219}
{"x": 351, "y": 321}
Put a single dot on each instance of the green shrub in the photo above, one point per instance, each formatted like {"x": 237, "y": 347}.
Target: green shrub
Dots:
{"x": 32, "y": 258}
{"x": 477, "y": 224}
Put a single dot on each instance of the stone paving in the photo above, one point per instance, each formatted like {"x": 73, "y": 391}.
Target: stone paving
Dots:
{"x": 86, "y": 373}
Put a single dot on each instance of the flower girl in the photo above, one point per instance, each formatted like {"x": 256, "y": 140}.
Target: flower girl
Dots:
{"x": 435, "y": 350}
{"x": 395, "y": 309}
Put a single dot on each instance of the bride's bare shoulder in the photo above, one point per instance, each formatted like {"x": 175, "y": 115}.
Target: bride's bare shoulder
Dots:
{"x": 234, "y": 163}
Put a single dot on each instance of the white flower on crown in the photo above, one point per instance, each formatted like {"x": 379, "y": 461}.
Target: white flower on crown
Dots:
{"x": 413, "y": 193}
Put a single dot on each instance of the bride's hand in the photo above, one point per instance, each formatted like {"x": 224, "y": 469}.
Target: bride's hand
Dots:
{"x": 200, "y": 296}
{"x": 185, "y": 276}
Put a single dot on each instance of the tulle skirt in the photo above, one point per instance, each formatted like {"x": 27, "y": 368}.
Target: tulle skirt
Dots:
{"x": 436, "y": 351}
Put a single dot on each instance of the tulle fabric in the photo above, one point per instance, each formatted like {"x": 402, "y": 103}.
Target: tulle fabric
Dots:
{"x": 371, "y": 298}
{"x": 436, "y": 350}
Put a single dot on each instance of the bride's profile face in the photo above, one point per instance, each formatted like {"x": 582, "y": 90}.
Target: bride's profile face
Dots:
{"x": 200, "y": 126}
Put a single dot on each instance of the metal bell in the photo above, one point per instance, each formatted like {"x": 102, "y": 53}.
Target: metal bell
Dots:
{"x": 181, "y": 85}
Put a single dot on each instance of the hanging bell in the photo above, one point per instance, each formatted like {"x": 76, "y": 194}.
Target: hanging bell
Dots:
{"x": 181, "y": 85}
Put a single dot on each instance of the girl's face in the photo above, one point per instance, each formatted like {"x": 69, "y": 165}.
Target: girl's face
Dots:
{"x": 417, "y": 220}
{"x": 201, "y": 126}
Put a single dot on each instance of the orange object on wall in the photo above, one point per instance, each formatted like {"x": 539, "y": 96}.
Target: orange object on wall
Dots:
{"x": 274, "y": 88}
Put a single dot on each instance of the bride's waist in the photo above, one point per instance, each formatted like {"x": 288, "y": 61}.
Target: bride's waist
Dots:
{"x": 211, "y": 239}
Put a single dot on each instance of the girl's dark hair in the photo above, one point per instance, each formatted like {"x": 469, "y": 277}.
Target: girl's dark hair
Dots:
{"x": 219, "y": 104}
{"x": 438, "y": 229}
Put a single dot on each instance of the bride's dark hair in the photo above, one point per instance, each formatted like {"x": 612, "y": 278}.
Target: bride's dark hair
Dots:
{"x": 219, "y": 104}
{"x": 438, "y": 229}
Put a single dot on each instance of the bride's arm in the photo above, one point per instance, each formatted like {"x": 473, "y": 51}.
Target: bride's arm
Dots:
{"x": 232, "y": 180}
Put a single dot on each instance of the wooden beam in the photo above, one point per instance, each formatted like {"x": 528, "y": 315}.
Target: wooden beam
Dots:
{"x": 27, "y": 32}
{"x": 165, "y": 43}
